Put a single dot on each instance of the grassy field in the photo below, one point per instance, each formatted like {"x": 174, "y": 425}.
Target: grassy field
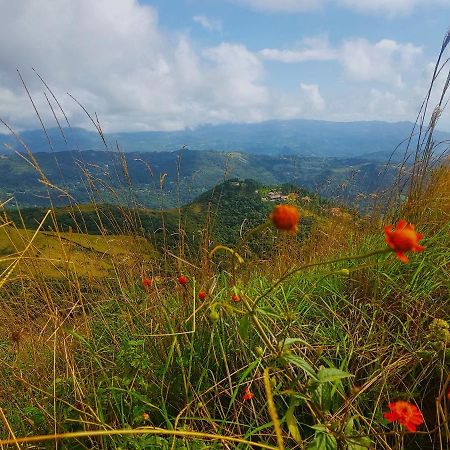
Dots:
{"x": 308, "y": 357}
{"x": 56, "y": 254}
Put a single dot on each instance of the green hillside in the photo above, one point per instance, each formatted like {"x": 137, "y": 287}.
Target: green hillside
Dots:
{"x": 167, "y": 180}
{"x": 223, "y": 212}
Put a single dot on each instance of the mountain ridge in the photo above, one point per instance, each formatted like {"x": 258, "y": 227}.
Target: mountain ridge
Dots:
{"x": 274, "y": 137}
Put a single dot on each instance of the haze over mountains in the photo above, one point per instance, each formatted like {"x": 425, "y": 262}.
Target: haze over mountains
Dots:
{"x": 374, "y": 140}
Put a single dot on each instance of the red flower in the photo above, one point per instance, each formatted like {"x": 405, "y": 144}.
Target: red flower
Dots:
{"x": 247, "y": 394}
{"x": 235, "y": 298}
{"x": 407, "y": 414}
{"x": 202, "y": 295}
{"x": 403, "y": 239}
{"x": 147, "y": 282}
{"x": 183, "y": 280}
{"x": 285, "y": 218}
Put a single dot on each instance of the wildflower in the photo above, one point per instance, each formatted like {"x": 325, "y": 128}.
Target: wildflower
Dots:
{"x": 286, "y": 218}
{"x": 202, "y": 295}
{"x": 247, "y": 394}
{"x": 147, "y": 282}
{"x": 403, "y": 239}
{"x": 235, "y": 298}
{"x": 183, "y": 280}
{"x": 145, "y": 416}
{"x": 406, "y": 413}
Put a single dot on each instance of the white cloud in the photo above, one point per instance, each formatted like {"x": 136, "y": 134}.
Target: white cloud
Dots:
{"x": 208, "y": 23}
{"x": 113, "y": 56}
{"x": 388, "y": 8}
{"x": 314, "y": 99}
{"x": 281, "y": 5}
{"x": 394, "y": 108}
{"x": 384, "y": 61}
{"x": 311, "y": 49}
{"x": 115, "y": 59}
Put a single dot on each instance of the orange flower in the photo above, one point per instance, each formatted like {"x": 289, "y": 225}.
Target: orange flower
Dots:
{"x": 247, "y": 394}
{"x": 407, "y": 414}
{"x": 147, "y": 282}
{"x": 285, "y": 218}
{"x": 403, "y": 239}
{"x": 202, "y": 295}
{"x": 235, "y": 298}
{"x": 183, "y": 280}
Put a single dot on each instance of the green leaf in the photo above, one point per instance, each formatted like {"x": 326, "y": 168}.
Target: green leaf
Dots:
{"x": 244, "y": 326}
{"x": 323, "y": 441}
{"x": 332, "y": 374}
{"x": 302, "y": 364}
{"x": 289, "y": 341}
{"x": 362, "y": 443}
{"x": 292, "y": 424}
{"x": 349, "y": 426}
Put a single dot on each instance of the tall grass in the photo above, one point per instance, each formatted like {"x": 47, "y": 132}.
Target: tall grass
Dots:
{"x": 105, "y": 362}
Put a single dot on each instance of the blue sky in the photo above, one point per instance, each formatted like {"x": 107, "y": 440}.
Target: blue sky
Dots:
{"x": 171, "y": 64}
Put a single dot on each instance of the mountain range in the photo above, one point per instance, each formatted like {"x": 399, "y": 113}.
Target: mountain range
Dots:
{"x": 374, "y": 140}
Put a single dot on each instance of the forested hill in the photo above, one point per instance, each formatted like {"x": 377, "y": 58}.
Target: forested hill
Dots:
{"x": 171, "y": 179}
{"x": 222, "y": 212}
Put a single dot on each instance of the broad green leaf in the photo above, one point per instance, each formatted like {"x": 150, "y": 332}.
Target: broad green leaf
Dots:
{"x": 332, "y": 374}
{"x": 362, "y": 443}
{"x": 302, "y": 364}
{"x": 292, "y": 424}
{"x": 244, "y": 326}
{"x": 323, "y": 441}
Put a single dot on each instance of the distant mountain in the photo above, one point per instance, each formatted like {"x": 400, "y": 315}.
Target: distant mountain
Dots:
{"x": 169, "y": 179}
{"x": 288, "y": 137}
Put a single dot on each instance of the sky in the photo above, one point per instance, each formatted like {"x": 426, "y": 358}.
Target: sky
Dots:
{"x": 171, "y": 64}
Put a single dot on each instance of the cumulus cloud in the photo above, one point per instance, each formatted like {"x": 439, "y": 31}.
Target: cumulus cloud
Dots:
{"x": 361, "y": 60}
{"x": 208, "y": 23}
{"x": 314, "y": 99}
{"x": 114, "y": 58}
{"x": 384, "y": 60}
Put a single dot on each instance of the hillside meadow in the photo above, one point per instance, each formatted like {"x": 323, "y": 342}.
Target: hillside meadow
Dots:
{"x": 310, "y": 343}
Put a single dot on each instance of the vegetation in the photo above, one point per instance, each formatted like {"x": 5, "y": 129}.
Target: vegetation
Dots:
{"x": 170, "y": 179}
{"x": 323, "y": 347}
{"x": 241, "y": 325}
